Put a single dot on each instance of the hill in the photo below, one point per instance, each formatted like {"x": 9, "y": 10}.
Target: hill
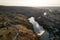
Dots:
{"x": 50, "y": 22}
{"x": 13, "y": 24}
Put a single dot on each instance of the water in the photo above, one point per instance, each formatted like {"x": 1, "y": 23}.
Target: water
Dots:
{"x": 45, "y": 36}
{"x": 39, "y": 30}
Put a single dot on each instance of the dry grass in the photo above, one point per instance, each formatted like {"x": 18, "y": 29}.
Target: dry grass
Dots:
{"x": 20, "y": 22}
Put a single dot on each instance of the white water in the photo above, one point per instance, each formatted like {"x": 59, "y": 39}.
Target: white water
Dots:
{"x": 39, "y": 29}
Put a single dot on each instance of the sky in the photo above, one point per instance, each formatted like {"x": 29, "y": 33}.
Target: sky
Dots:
{"x": 33, "y": 3}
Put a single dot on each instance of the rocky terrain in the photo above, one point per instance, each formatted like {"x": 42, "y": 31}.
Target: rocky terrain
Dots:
{"x": 15, "y": 27}
{"x": 50, "y": 22}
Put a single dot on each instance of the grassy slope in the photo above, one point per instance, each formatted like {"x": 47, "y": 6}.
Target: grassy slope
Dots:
{"x": 20, "y": 21}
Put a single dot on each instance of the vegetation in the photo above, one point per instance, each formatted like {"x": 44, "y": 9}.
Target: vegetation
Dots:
{"x": 11, "y": 23}
{"x": 18, "y": 16}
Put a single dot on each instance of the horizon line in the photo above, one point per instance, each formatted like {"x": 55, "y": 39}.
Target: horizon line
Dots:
{"x": 30, "y": 6}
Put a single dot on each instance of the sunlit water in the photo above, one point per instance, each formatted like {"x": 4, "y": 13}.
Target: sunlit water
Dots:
{"x": 39, "y": 30}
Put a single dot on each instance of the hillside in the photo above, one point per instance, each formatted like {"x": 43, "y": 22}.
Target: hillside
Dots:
{"x": 50, "y": 22}
{"x": 11, "y": 24}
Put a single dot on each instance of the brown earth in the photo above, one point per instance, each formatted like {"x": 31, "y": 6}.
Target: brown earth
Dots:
{"x": 20, "y": 22}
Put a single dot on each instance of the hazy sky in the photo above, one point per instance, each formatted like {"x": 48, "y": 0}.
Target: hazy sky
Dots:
{"x": 30, "y": 2}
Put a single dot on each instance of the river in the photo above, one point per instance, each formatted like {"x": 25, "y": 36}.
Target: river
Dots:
{"x": 39, "y": 30}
